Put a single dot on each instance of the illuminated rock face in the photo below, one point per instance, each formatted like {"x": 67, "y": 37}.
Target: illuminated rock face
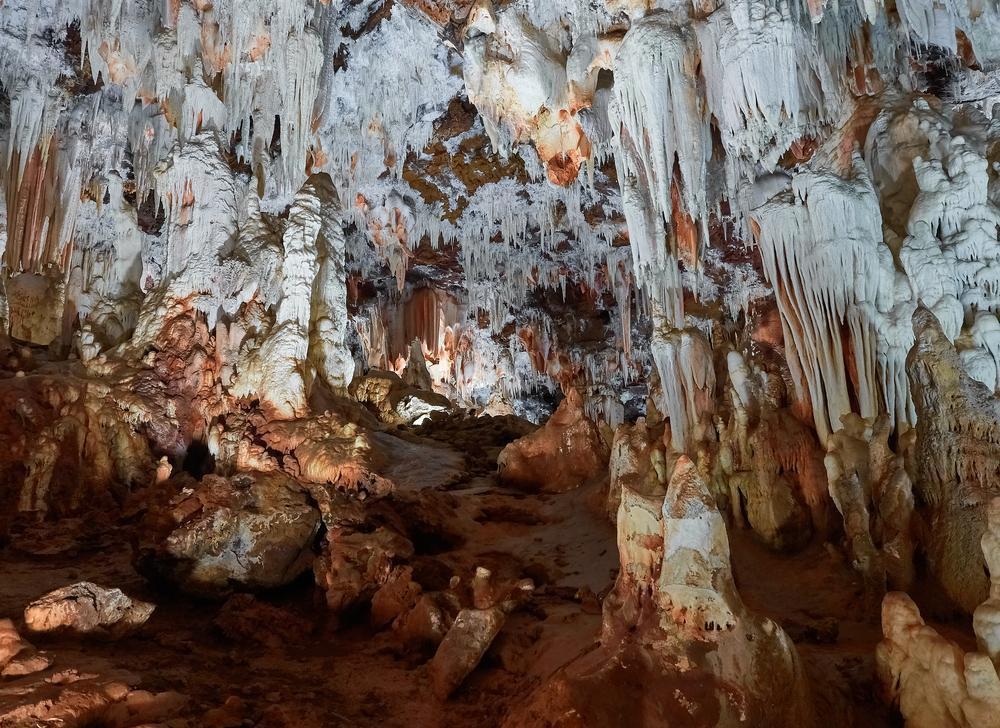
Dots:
{"x": 563, "y": 454}
{"x": 301, "y": 294}
{"x": 675, "y": 619}
{"x": 253, "y": 531}
{"x": 934, "y": 681}
{"x": 87, "y": 608}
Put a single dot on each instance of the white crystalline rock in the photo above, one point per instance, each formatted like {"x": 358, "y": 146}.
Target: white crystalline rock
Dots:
{"x": 303, "y": 280}
{"x": 656, "y": 270}
{"x": 952, "y": 250}
{"x": 372, "y": 112}
{"x": 894, "y": 331}
{"x": 696, "y": 576}
{"x": 514, "y": 237}
{"x": 620, "y": 275}
{"x": 199, "y": 195}
{"x": 935, "y": 22}
{"x": 328, "y": 349}
{"x": 30, "y": 66}
{"x": 766, "y": 82}
{"x": 932, "y": 23}
{"x": 823, "y": 251}
{"x": 267, "y": 54}
{"x": 67, "y": 166}
{"x": 201, "y": 109}
{"x": 118, "y": 42}
{"x": 980, "y": 27}
{"x": 531, "y": 230}
{"x": 391, "y": 227}
{"x": 276, "y": 372}
{"x": 109, "y": 243}
{"x": 979, "y": 365}
{"x": 683, "y": 360}
{"x": 105, "y": 273}
{"x": 151, "y": 137}
{"x": 659, "y": 116}
{"x": 528, "y": 88}
{"x": 201, "y": 201}
{"x": 986, "y": 334}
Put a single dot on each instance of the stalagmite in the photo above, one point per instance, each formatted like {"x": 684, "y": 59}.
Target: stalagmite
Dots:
{"x": 676, "y": 618}
{"x": 933, "y": 680}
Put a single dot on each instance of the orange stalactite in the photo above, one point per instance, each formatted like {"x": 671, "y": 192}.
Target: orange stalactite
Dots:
{"x": 530, "y": 341}
{"x": 685, "y": 230}
{"x": 35, "y": 219}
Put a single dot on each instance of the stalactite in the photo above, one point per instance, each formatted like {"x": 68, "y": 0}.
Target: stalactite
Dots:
{"x": 822, "y": 251}
{"x": 660, "y": 118}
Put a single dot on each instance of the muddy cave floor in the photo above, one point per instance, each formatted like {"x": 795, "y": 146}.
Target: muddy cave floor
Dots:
{"x": 345, "y": 673}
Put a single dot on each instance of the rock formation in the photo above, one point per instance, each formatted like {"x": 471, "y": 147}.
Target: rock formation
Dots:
{"x": 933, "y": 680}
{"x": 954, "y": 456}
{"x": 676, "y": 620}
{"x": 410, "y": 338}
{"x": 563, "y": 454}
{"x": 87, "y": 608}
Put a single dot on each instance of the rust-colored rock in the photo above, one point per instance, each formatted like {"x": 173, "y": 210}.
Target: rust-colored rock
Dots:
{"x": 561, "y": 455}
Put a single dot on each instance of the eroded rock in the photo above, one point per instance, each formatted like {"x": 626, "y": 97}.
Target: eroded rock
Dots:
{"x": 251, "y": 531}
{"x": 354, "y": 565}
{"x": 957, "y": 447}
{"x": 17, "y": 657}
{"x": 563, "y": 454}
{"x": 87, "y": 609}
{"x": 396, "y": 402}
{"x": 678, "y": 646}
{"x": 931, "y": 679}
{"x": 463, "y": 647}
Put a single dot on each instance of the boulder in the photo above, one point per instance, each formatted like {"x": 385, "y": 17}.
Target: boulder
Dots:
{"x": 250, "y": 531}
{"x": 87, "y": 609}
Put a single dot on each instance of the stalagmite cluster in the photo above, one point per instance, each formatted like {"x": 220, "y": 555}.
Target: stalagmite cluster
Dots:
{"x": 502, "y": 362}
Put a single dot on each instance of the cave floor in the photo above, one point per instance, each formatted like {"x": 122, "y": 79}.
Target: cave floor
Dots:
{"x": 348, "y": 674}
